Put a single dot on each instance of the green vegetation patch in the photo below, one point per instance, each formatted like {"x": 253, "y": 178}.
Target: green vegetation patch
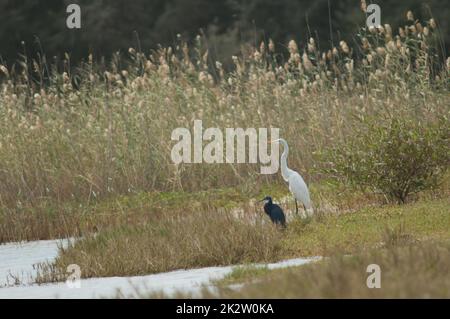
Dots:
{"x": 368, "y": 227}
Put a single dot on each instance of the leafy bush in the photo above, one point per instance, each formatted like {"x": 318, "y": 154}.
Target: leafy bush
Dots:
{"x": 396, "y": 157}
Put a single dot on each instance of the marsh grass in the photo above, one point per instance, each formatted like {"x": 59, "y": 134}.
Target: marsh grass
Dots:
{"x": 50, "y": 219}
{"x": 177, "y": 241}
{"x": 109, "y": 135}
{"x": 212, "y": 238}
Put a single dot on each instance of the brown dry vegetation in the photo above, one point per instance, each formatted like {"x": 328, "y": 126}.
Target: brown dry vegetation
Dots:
{"x": 176, "y": 241}
{"x": 56, "y": 220}
{"x": 65, "y": 147}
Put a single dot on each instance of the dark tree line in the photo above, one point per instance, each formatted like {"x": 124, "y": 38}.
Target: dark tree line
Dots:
{"x": 112, "y": 25}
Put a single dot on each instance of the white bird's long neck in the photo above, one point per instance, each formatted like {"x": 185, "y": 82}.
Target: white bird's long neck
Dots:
{"x": 285, "y": 171}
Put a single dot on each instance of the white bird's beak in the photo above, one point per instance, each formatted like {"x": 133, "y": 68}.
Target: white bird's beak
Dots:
{"x": 275, "y": 141}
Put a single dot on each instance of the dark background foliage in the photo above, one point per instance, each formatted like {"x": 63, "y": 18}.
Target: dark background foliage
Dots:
{"x": 112, "y": 25}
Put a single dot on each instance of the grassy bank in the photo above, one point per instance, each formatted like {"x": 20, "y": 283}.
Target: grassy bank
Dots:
{"x": 370, "y": 227}
{"x": 176, "y": 242}
{"x": 191, "y": 239}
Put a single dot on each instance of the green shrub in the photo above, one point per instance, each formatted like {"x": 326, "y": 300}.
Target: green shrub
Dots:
{"x": 395, "y": 158}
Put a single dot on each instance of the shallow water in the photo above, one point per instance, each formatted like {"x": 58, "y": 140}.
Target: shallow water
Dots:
{"x": 18, "y": 259}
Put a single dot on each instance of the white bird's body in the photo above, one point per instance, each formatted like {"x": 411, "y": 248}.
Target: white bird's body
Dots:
{"x": 297, "y": 185}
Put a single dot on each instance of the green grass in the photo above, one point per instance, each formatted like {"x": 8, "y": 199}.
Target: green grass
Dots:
{"x": 367, "y": 227}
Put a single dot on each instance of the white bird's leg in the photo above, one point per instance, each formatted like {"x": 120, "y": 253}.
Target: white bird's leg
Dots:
{"x": 296, "y": 206}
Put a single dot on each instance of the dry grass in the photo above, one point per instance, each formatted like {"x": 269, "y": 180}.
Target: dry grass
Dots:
{"x": 177, "y": 241}
{"x": 49, "y": 219}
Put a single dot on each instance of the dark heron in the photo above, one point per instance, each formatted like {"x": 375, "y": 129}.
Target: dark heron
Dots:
{"x": 274, "y": 211}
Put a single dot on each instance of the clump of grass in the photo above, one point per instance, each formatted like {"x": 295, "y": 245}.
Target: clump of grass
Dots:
{"x": 177, "y": 241}
{"x": 397, "y": 236}
{"x": 242, "y": 274}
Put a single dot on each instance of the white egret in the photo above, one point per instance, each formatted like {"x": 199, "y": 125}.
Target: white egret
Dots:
{"x": 297, "y": 185}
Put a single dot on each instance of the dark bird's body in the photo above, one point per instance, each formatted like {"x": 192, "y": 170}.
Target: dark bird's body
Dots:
{"x": 274, "y": 211}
